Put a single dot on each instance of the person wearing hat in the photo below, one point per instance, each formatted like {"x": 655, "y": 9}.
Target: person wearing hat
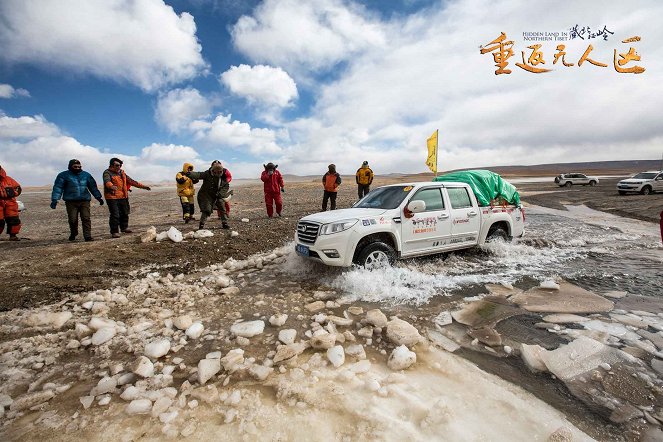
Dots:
{"x": 213, "y": 192}
{"x": 9, "y": 190}
{"x": 273, "y": 186}
{"x": 117, "y": 185}
{"x": 74, "y": 186}
{"x": 330, "y": 181}
{"x": 364, "y": 178}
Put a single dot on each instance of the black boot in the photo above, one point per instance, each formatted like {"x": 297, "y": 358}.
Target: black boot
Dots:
{"x": 72, "y": 237}
{"x": 225, "y": 225}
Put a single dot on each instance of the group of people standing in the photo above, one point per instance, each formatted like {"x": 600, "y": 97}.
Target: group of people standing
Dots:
{"x": 77, "y": 187}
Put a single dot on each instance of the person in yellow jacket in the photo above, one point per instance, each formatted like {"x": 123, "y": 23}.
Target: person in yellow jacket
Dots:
{"x": 186, "y": 191}
{"x": 364, "y": 178}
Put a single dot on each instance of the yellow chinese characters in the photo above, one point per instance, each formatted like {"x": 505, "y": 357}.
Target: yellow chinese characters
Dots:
{"x": 502, "y": 55}
{"x": 503, "y": 49}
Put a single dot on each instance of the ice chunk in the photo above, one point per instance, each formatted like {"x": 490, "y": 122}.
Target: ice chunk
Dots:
{"x": 174, "y": 235}
{"x": 402, "y": 333}
{"x": 161, "y": 236}
{"x": 568, "y": 299}
{"x": 401, "y": 358}
{"x": 233, "y": 359}
{"x": 531, "y": 355}
{"x": 287, "y": 336}
{"x": 139, "y": 406}
{"x": 376, "y": 318}
{"x": 323, "y": 341}
{"x": 208, "y": 368}
{"x": 336, "y": 356}
{"x": 202, "y": 233}
{"x": 149, "y": 235}
{"x": 580, "y": 356}
{"x": 247, "y": 329}
{"x": 439, "y": 340}
{"x": 356, "y": 351}
{"x": 103, "y": 335}
{"x": 195, "y": 330}
{"x": 565, "y": 318}
{"x": 260, "y": 372}
{"x": 549, "y": 284}
{"x": 485, "y": 313}
{"x": 143, "y": 367}
{"x": 183, "y": 322}
{"x": 444, "y": 318}
{"x": 278, "y": 319}
{"x": 158, "y": 348}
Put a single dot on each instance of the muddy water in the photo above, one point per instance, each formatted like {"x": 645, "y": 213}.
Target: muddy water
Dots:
{"x": 611, "y": 254}
{"x": 596, "y": 251}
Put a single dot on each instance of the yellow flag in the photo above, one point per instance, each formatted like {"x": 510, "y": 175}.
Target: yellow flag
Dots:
{"x": 431, "y": 161}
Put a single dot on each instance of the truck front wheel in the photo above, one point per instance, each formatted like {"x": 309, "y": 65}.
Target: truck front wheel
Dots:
{"x": 376, "y": 255}
{"x": 497, "y": 234}
{"x": 646, "y": 190}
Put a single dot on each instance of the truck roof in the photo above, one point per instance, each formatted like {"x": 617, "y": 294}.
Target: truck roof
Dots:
{"x": 426, "y": 183}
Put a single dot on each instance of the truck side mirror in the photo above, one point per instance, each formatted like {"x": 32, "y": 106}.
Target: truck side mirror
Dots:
{"x": 413, "y": 207}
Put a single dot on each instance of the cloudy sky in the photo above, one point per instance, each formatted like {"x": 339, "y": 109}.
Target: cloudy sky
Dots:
{"x": 307, "y": 83}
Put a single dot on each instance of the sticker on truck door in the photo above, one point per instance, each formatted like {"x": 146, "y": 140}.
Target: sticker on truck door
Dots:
{"x": 424, "y": 225}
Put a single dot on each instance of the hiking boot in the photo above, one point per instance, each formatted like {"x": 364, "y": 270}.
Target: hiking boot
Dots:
{"x": 14, "y": 238}
{"x": 186, "y": 220}
{"x": 225, "y": 225}
{"x": 89, "y": 238}
{"x": 127, "y": 231}
{"x": 72, "y": 237}
{"x": 115, "y": 235}
{"x": 201, "y": 226}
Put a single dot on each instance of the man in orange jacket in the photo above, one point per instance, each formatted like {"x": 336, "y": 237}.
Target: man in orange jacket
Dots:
{"x": 9, "y": 190}
{"x": 117, "y": 186}
{"x": 330, "y": 181}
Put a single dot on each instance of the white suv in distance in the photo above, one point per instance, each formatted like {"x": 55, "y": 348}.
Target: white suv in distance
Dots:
{"x": 644, "y": 182}
{"x": 569, "y": 179}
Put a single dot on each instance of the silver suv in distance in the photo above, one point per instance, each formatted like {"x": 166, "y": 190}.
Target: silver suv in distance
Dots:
{"x": 644, "y": 182}
{"x": 570, "y": 179}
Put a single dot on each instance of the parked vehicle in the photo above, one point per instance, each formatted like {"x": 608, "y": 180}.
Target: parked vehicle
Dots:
{"x": 570, "y": 179}
{"x": 403, "y": 221}
{"x": 643, "y": 182}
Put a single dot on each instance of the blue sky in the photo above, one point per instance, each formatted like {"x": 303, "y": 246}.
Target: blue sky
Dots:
{"x": 304, "y": 84}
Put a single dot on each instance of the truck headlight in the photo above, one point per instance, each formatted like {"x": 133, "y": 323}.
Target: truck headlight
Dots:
{"x": 337, "y": 226}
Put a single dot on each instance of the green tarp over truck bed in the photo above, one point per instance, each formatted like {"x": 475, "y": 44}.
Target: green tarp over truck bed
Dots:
{"x": 486, "y": 185}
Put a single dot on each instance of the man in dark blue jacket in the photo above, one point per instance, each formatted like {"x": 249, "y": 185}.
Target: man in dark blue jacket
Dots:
{"x": 74, "y": 187}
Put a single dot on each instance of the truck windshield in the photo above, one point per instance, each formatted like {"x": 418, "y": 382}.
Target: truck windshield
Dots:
{"x": 645, "y": 176}
{"x": 384, "y": 198}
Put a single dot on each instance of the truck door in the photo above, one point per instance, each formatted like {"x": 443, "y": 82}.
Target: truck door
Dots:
{"x": 429, "y": 230}
{"x": 465, "y": 218}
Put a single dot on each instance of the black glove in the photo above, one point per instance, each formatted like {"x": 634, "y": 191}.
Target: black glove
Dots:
{"x": 11, "y": 193}
{"x": 101, "y": 202}
{"x": 54, "y": 204}
{"x": 282, "y": 189}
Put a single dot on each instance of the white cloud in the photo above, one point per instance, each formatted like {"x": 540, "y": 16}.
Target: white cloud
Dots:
{"x": 178, "y": 107}
{"x": 8, "y": 91}
{"x": 312, "y": 35}
{"x": 225, "y": 132}
{"x": 262, "y": 84}
{"x": 142, "y": 42}
{"x": 26, "y": 127}
{"x": 430, "y": 75}
{"x": 168, "y": 153}
{"x": 34, "y": 151}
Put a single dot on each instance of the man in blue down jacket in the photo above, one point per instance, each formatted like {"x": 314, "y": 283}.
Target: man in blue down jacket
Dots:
{"x": 74, "y": 187}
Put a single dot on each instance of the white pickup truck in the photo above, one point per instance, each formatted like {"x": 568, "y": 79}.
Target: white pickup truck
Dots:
{"x": 403, "y": 221}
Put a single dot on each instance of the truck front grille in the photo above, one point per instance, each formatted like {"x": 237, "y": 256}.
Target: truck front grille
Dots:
{"x": 307, "y": 231}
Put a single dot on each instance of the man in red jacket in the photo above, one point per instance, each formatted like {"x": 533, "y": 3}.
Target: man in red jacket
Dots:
{"x": 273, "y": 186}
{"x": 9, "y": 190}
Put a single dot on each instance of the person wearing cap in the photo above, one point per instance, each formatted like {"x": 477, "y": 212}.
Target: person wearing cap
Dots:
{"x": 186, "y": 191}
{"x": 9, "y": 190}
{"x": 117, "y": 186}
{"x": 213, "y": 192}
{"x": 273, "y": 186}
{"x": 330, "y": 181}
{"x": 364, "y": 178}
{"x": 74, "y": 186}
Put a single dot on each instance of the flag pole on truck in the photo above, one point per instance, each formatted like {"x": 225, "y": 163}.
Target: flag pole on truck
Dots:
{"x": 431, "y": 161}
